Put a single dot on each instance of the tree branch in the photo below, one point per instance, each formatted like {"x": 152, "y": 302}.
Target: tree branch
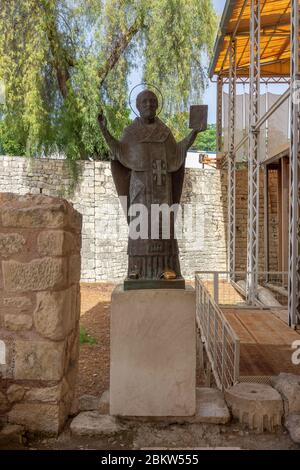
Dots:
{"x": 62, "y": 59}
{"x": 119, "y": 48}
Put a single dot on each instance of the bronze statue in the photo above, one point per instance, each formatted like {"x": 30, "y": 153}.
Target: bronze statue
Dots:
{"x": 148, "y": 169}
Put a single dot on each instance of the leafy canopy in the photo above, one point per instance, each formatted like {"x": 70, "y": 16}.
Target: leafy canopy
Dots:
{"x": 60, "y": 60}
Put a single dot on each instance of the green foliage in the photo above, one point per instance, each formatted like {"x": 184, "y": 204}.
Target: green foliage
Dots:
{"x": 207, "y": 140}
{"x": 85, "y": 338}
{"x": 62, "y": 60}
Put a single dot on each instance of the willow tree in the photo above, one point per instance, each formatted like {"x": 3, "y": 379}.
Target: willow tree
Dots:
{"x": 61, "y": 60}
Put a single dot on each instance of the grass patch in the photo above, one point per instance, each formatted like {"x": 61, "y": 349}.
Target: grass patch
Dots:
{"x": 85, "y": 338}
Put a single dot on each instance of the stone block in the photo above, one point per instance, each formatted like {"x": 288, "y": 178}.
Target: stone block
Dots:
{"x": 48, "y": 394}
{"x": 38, "y": 417}
{"x": 38, "y": 274}
{"x": 211, "y": 406}
{"x": 11, "y": 434}
{"x": 55, "y": 315}
{"x": 55, "y": 243}
{"x": 88, "y": 403}
{"x": 15, "y": 393}
{"x": 258, "y": 406}
{"x": 10, "y": 244}
{"x": 292, "y": 423}
{"x": 53, "y": 216}
{"x": 21, "y": 304}
{"x": 153, "y": 353}
{"x": 92, "y": 423}
{"x": 288, "y": 385}
{"x": 17, "y": 322}
{"x": 39, "y": 360}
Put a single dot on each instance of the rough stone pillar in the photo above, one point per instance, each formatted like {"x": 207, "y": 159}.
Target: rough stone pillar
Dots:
{"x": 40, "y": 242}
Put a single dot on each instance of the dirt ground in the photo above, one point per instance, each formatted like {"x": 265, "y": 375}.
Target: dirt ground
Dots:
{"x": 93, "y": 376}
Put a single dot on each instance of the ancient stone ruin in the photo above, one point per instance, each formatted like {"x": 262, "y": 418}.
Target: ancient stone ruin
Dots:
{"x": 40, "y": 242}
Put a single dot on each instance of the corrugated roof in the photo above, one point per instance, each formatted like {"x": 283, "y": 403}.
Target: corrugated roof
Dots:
{"x": 275, "y": 38}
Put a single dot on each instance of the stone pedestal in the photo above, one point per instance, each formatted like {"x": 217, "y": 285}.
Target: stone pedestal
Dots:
{"x": 153, "y": 353}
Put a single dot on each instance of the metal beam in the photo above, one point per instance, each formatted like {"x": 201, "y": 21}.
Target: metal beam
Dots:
{"x": 294, "y": 224}
{"x": 219, "y": 114}
{"x": 231, "y": 158}
{"x": 253, "y": 163}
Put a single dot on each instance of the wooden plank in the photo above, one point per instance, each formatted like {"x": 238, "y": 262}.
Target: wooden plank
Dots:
{"x": 265, "y": 348}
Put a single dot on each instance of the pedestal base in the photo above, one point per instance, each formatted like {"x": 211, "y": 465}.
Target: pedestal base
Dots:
{"x": 153, "y": 353}
{"x": 136, "y": 284}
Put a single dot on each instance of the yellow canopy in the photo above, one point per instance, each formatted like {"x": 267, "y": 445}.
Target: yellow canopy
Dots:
{"x": 275, "y": 38}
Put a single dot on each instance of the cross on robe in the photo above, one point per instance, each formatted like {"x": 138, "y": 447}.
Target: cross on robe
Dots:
{"x": 159, "y": 171}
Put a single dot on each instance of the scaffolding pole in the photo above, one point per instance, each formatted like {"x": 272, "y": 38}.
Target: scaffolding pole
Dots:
{"x": 294, "y": 224}
{"x": 219, "y": 114}
{"x": 231, "y": 158}
{"x": 253, "y": 163}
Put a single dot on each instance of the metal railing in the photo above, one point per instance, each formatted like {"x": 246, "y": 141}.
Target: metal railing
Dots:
{"x": 229, "y": 288}
{"x": 221, "y": 343}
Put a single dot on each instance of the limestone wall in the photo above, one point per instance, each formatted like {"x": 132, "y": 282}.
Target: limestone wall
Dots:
{"x": 104, "y": 232}
{"x": 40, "y": 239}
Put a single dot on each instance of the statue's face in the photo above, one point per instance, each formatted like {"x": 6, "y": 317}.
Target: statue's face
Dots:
{"x": 147, "y": 104}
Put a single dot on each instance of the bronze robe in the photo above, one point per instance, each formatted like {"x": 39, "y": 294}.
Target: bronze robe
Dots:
{"x": 148, "y": 168}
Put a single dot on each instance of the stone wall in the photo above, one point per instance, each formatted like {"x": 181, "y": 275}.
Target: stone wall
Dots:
{"x": 40, "y": 241}
{"x": 104, "y": 233}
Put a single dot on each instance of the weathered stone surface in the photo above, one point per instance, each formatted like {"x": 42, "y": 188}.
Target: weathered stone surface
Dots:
{"x": 258, "y": 406}
{"x": 4, "y": 405}
{"x": 288, "y": 385}
{"x": 54, "y": 316}
{"x": 39, "y": 360}
{"x": 55, "y": 243}
{"x": 48, "y": 394}
{"x": 211, "y": 406}
{"x": 11, "y": 434}
{"x": 74, "y": 408}
{"x": 20, "y": 303}
{"x": 17, "y": 322}
{"x": 38, "y": 417}
{"x": 92, "y": 423}
{"x": 153, "y": 353}
{"x": 104, "y": 403}
{"x": 32, "y": 217}
{"x": 39, "y": 274}
{"x": 88, "y": 403}
{"x": 11, "y": 243}
{"x": 74, "y": 269}
{"x": 292, "y": 423}
{"x": 15, "y": 393}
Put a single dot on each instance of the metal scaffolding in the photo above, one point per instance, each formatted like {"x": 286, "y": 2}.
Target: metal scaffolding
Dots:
{"x": 266, "y": 62}
{"x": 253, "y": 161}
{"x": 231, "y": 158}
{"x": 294, "y": 226}
{"x": 219, "y": 114}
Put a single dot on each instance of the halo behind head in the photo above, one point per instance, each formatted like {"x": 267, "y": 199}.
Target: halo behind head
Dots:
{"x": 146, "y": 87}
